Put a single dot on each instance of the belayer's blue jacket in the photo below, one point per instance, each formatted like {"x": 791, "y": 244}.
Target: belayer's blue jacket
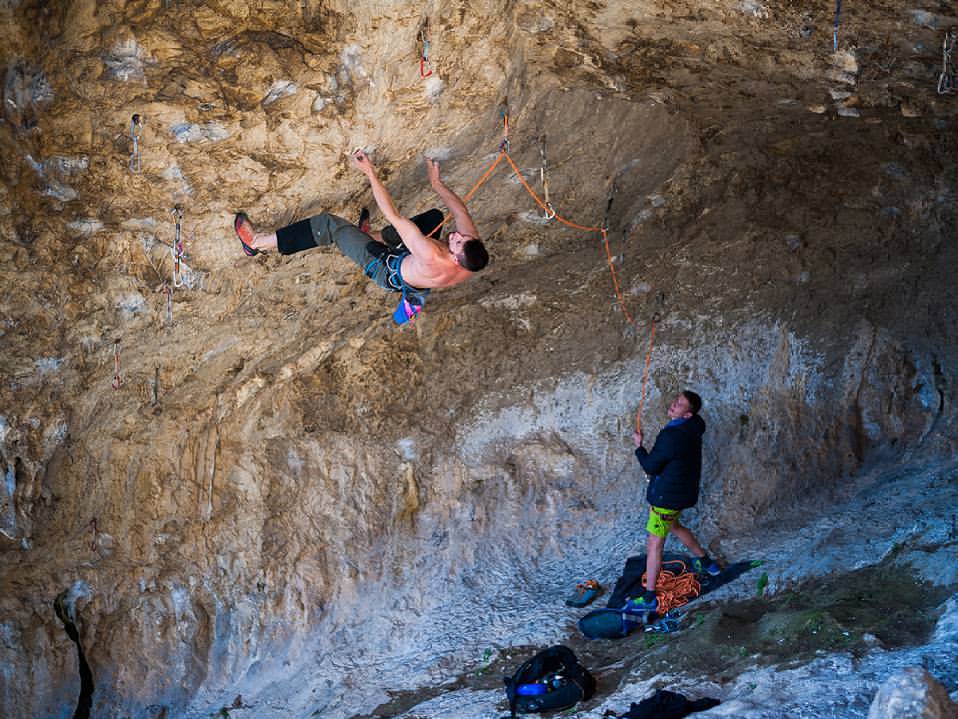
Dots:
{"x": 675, "y": 464}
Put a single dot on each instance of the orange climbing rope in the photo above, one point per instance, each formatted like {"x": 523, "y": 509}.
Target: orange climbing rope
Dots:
{"x": 645, "y": 374}
{"x": 485, "y": 176}
{"x": 568, "y": 223}
{"x": 468, "y": 196}
{"x": 541, "y": 204}
{"x": 674, "y": 589}
{"x": 504, "y": 155}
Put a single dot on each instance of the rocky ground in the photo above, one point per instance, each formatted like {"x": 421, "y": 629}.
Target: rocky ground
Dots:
{"x": 836, "y": 607}
{"x": 291, "y": 500}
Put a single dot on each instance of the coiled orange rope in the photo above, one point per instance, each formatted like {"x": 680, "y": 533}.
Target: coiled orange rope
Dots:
{"x": 674, "y": 589}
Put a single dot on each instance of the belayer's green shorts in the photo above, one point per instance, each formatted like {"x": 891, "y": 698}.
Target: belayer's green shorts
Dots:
{"x": 661, "y": 520}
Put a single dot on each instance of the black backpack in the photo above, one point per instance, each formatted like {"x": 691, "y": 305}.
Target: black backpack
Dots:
{"x": 558, "y": 678}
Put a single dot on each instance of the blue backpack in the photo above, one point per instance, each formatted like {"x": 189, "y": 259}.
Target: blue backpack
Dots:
{"x": 552, "y": 680}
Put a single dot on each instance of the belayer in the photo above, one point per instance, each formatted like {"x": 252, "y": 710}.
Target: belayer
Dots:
{"x": 404, "y": 257}
{"x": 675, "y": 468}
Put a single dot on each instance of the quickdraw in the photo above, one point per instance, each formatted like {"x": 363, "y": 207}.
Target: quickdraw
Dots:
{"x": 948, "y": 80}
{"x": 838, "y": 19}
{"x": 608, "y": 207}
{"x": 550, "y": 212}
{"x": 117, "y": 380}
{"x": 504, "y": 146}
{"x": 425, "y": 67}
{"x": 95, "y": 532}
{"x": 136, "y": 130}
{"x": 177, "y": 249}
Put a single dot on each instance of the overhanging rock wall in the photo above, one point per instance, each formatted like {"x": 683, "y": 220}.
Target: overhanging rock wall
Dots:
{"x": 292, "y": 500}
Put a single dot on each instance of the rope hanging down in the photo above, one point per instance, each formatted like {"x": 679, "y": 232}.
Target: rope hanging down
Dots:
{"x": 645, "y": 372}
{"x": 425, "y": 67}
{"x": 604, "y": 230}
{"x": 584, "y": 228}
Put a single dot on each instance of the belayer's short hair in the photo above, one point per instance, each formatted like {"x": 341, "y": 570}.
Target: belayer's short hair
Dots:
{"x": 473, "y": 256}
{"x": 695, "y": 402}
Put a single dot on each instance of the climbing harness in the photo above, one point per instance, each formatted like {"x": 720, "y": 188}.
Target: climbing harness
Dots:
{"x": 948, "y": 80}
{"x": 117, "y": 380}
{"x": 550, "y": 212}
{"x": 177, "y": 249}
{"x": 425, "y": 67}
{"x": 136, "y": 130}
{"x": 838, "y": 19}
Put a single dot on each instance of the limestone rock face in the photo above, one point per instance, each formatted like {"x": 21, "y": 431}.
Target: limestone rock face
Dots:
{"x": 249, "y": 488}
{"x": 913, "y": 694}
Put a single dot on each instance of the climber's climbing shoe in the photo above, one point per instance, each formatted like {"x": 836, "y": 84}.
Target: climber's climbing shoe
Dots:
{"x": 244, "y": 231}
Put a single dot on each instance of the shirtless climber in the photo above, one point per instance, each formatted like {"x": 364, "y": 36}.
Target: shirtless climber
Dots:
{"x": 404, "y": 257}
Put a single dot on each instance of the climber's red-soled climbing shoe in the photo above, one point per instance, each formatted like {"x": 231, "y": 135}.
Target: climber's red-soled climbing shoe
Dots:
{"x": 244, "y": 231}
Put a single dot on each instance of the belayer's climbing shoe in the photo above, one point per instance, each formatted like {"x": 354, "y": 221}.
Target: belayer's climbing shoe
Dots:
{"x": 584, "y": 594}
{"x": 363, "y": 223}
{"x": 244, "y": 231}
{"x": 647, "y": 602}
{"x": 704, "y": 565}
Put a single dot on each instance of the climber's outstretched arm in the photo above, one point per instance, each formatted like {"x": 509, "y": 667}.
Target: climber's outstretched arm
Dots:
{"x": 457, "y": 207}
{"x": 415, "y": 241}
